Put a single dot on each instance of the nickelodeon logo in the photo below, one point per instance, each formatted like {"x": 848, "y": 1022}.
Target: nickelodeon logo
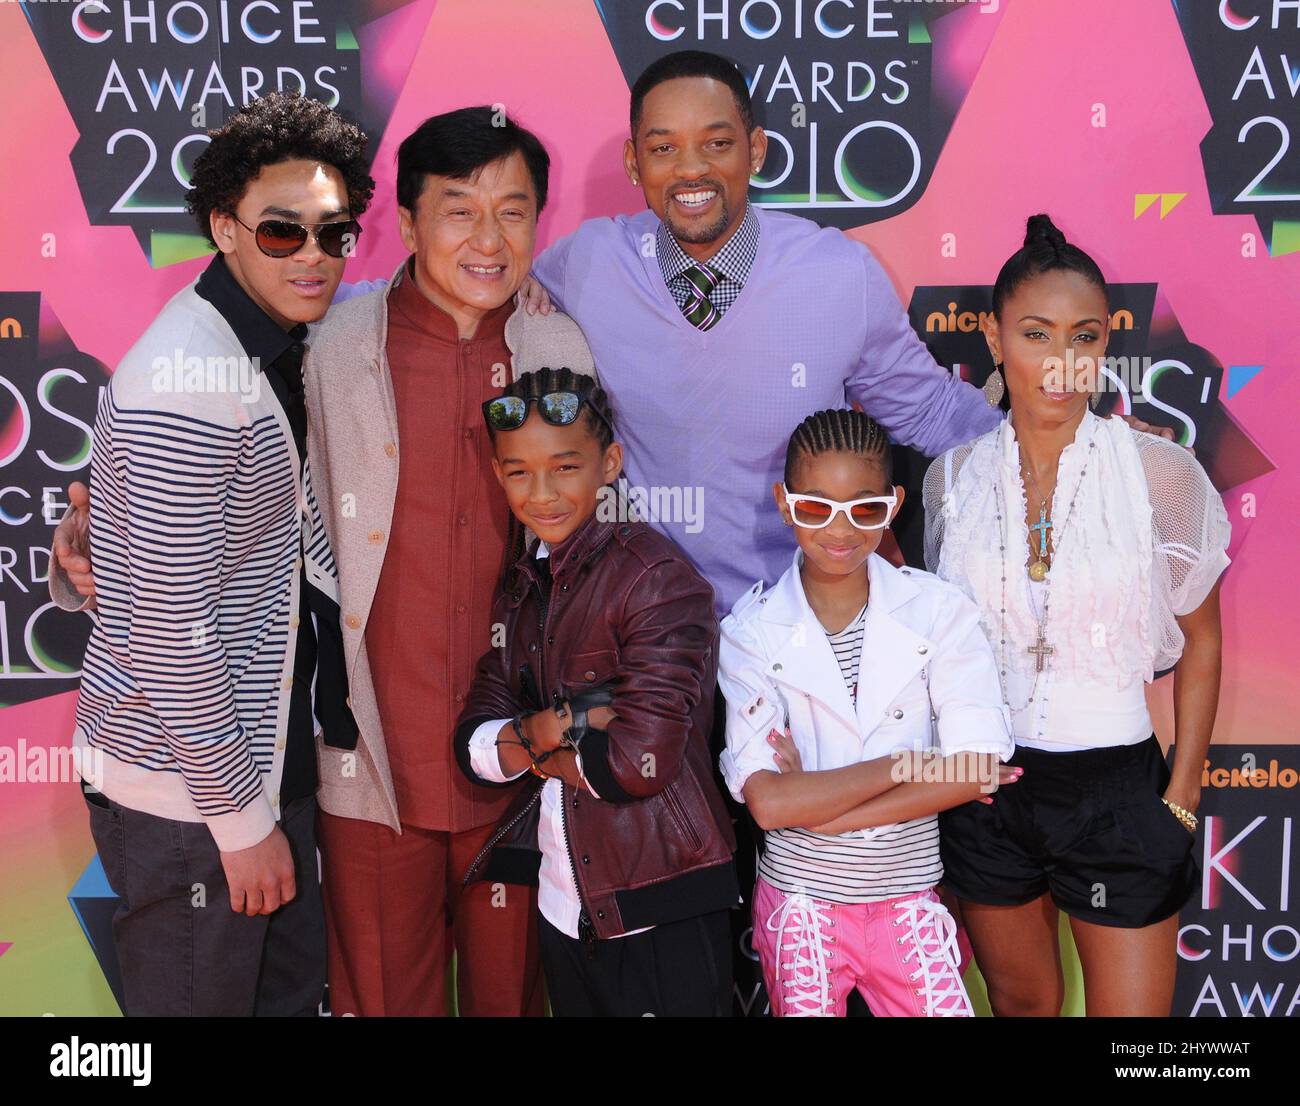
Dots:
{"x": 1272, "y": 776}
{"x": 967, "y": 322}
{"x": 11, "y": 328}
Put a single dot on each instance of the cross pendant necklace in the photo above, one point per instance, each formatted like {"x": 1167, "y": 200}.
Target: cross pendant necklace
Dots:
{"x": 1042, "y": 526}
{"x": 1038, "y": 570}
{"x": 1040, "y": 649}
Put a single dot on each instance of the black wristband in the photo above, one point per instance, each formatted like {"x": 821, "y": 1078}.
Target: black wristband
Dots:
{"x": 517, "y": 722}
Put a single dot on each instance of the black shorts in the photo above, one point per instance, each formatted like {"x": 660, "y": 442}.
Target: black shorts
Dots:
{"x": 1088, "y": 827}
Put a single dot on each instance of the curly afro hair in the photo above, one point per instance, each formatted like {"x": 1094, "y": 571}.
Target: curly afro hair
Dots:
{"x": 269, "y": 130}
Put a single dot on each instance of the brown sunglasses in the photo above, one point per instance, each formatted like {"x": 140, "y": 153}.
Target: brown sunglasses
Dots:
{"x": 283, "y": 237}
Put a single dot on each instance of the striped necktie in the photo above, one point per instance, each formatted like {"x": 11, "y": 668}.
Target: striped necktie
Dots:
{"x": 700, "y": 311}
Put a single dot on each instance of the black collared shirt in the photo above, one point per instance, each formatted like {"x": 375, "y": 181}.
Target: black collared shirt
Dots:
{"x": 279, "y": 354}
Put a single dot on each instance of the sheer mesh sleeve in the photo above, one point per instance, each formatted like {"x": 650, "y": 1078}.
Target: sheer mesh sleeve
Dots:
{"x": 1191, "y": 525}
{"x": 939, "y": 478}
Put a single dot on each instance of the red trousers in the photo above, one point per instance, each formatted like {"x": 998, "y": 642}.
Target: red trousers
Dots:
{"x": 394, "y": 912}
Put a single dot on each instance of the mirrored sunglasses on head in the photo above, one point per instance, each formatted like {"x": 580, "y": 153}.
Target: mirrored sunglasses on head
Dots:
{"x": 284, "y": 237}
{"x": 815, "y": 512}
{"x": 558, "y": 408}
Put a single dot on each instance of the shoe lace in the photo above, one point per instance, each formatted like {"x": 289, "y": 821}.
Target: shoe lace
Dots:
{"x": 932, "y": 939}
{"x": 799, "y": 922}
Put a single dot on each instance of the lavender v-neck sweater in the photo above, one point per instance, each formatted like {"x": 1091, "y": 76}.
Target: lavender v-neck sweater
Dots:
{"x": 705, "y": 416}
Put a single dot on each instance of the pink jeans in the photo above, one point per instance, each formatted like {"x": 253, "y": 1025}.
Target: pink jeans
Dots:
{"x": 901, "y": 954}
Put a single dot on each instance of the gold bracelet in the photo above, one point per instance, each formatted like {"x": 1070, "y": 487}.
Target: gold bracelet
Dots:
{"x": 1184, "y": 815}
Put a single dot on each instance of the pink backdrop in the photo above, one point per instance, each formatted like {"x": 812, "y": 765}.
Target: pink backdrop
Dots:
{"x": 1023, "y": 141}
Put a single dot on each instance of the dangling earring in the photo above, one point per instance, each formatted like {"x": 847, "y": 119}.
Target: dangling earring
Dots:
{"x": 994, "y": 387}
{"x": 1094, "y": 399}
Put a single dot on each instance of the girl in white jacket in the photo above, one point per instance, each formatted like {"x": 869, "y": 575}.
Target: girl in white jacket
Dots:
{"x": 862, "y": 699}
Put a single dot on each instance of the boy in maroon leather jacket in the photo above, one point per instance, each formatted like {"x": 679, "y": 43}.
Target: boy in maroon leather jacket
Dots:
{"x": 598, "y": 690}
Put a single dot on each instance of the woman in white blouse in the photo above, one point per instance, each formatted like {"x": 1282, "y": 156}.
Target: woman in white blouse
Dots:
{"x": 1093, "y": 552}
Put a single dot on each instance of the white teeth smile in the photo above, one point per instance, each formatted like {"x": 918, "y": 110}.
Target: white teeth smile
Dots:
{"x": 694, "y": 199}
{"x": 489, "y": 269}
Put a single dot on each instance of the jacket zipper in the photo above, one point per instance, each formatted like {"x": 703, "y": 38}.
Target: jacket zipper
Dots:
{"x": 586, "y": 931}
{"x": 679, "y": 813}
{"x": 500, "y": 833}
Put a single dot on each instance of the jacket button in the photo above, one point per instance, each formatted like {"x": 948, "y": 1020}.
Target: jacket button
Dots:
{"x": 898, "y": 714}
{"x": 532, "y": 647}
{"x": 922, "y": 649}
{"x": 586, "y": 860}
{"x": 550, "y": 641}
{"x": 600, "y": 913}
{"x": 589, "y": 675}
{"x": 776, "y": 667}
{"x": 564, "y": 587}
{"x": 390, "y": 449}
{"x": 353, "y": 622}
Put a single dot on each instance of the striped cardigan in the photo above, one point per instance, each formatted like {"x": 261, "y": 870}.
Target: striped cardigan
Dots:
{"x": 197, "y": 519}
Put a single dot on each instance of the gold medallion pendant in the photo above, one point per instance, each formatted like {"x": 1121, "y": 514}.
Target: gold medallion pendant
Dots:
{"x": 1038, "y": 571}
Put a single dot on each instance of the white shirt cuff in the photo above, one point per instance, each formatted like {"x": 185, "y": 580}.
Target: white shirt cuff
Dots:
{"x": 484, "y": 757}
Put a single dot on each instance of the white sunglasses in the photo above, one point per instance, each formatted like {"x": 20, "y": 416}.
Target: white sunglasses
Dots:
{"x": 815, "y": 513}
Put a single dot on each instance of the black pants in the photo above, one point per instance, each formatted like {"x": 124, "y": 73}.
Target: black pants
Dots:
{"x": 681, "y": 969}
{"x": 181, "y": 949}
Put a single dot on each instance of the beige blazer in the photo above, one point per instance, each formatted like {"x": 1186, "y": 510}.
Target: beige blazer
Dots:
{"x": 353, "y": 448}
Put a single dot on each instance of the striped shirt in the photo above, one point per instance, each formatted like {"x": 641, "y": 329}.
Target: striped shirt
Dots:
{"x": 862, "y": 866}
{"x": 198, "y": 521}
{"x": 733, "y": 261}
{"x": 847, "y": 646}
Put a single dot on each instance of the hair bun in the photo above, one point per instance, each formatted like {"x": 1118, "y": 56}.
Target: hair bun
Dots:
{"x": 1040, "y": 228}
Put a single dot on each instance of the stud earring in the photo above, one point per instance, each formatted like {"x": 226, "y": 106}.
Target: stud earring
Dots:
{"x": 994, "y": 386}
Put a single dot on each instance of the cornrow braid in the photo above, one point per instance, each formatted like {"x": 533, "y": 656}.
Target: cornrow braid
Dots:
{"x": 839, "y": 431}
{"x": 533, "y": 385}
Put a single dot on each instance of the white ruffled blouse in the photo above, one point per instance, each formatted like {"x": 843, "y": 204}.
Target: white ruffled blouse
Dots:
{"x": 1141, "y": 540}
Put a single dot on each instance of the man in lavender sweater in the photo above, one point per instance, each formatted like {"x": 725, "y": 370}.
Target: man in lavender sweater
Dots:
{"x": 717, "y": 327}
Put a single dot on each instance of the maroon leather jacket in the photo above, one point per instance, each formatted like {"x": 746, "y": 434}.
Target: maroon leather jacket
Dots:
{"x": 624, "y": 610}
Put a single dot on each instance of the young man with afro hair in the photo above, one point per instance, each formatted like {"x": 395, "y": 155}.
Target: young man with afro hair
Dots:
{"x": 216, "y": 588}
